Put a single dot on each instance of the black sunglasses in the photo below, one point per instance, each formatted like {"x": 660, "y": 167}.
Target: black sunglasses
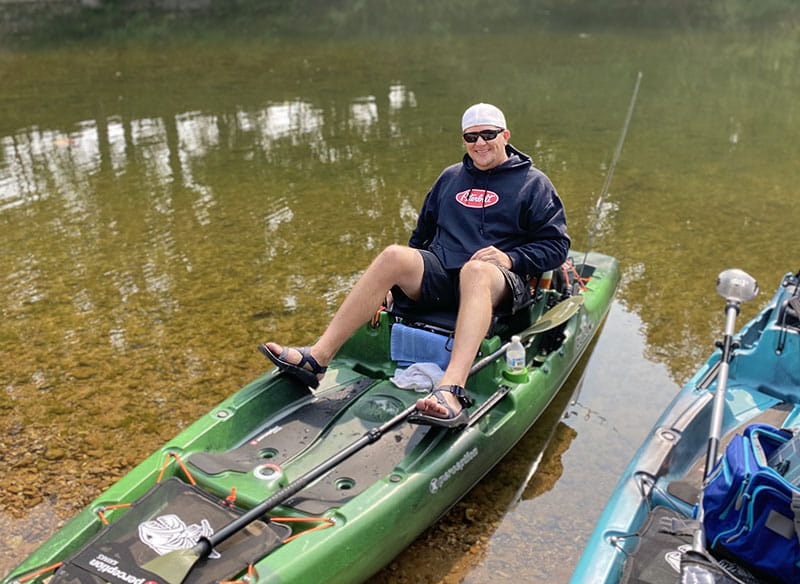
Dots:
{"x": 487, "y": 135}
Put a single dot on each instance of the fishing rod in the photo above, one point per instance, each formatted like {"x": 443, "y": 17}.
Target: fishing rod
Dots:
{"x": 609, "y": 176}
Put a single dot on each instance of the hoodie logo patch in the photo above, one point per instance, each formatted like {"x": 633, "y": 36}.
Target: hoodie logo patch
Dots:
{"x": 477, "y": 198}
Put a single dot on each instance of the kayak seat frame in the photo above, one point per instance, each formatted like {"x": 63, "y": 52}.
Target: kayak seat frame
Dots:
{"x": 504, "y": 323}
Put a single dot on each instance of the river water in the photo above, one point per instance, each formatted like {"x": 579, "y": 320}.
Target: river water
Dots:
{"x": 165, "y": 208}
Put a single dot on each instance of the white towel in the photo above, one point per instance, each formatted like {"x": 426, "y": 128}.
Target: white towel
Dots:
{"x": 420, "y": 377}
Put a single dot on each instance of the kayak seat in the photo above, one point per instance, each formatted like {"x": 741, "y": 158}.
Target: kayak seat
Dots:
{"x": 789, "y": 316}
{"x": 504, "y": 323}
{"x": 427, "y": 336}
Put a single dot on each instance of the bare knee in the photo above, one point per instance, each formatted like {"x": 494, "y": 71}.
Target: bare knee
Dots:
{"x": 477, "y": 276}
{"x": 396, "y": 257}
{"x": 401, "y": 264}
{"x": 478, "y": 272}
{"x": 394, "y": 252}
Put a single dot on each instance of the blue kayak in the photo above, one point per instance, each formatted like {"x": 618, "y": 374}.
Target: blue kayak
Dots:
{"x": 658, "y": 518}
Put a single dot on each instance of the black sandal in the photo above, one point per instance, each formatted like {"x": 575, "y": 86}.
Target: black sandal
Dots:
{"x": 296, "y": 370}
{"x": 453, "y": 420}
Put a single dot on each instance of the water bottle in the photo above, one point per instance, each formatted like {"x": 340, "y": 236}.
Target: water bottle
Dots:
{"x": 515, "y": 356}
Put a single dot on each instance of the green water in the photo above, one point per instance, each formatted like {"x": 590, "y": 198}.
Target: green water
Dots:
{"x": 165, "y": 208}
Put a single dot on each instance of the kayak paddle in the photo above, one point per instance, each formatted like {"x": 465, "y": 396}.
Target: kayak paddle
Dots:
{"x": 554, "y": 317}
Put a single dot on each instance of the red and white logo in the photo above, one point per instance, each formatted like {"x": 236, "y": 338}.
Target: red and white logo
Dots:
{"x": 477, "y": 198}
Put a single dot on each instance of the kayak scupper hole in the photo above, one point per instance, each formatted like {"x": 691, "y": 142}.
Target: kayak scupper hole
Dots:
{"x": 345, "y": 484}
{"x": 268, "y": 472}
{"x": 268, "y": 453}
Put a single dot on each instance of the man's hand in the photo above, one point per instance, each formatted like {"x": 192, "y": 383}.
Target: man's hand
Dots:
{"x": 492, "y": 255}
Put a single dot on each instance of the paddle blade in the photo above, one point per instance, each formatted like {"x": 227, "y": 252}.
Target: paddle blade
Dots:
{"x": 173, "y": 567}
{"x": 554, "y": 317}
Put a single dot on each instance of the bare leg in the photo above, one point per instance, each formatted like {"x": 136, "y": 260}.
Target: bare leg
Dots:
{"x": 396, "y": 265}
{"x": 482, "y": 288}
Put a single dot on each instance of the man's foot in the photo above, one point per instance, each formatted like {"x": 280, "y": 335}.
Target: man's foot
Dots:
{"x": 295, "y": 361}
{"x": 446, "y": 407}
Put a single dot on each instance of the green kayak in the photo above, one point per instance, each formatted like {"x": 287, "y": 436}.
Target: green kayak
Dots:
{"x": 280, "y": 484}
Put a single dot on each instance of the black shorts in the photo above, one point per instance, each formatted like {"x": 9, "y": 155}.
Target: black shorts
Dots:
{"x": 440, "y": 288}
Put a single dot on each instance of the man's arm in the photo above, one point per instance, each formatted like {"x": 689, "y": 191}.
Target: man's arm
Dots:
{"x": 423, "y": 233}
{"x": 548, "y": 244}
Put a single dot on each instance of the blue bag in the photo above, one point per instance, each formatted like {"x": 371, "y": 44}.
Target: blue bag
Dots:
{"x": 751, "y": 512}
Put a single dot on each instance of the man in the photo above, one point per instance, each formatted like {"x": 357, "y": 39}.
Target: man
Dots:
{"x": 489, "y": 224}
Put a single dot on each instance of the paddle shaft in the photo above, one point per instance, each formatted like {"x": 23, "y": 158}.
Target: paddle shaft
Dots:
{"x": 717, "y": 411}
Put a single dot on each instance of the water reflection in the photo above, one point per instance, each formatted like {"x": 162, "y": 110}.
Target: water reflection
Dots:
{"x": 38, "y": 162}
{"x": 363, "y": 113}
{"x": 63, "y": 169}
{"x": 117, "y": 151}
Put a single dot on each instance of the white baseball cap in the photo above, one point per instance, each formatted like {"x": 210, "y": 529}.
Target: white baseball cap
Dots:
{"x": 483, "y": 114}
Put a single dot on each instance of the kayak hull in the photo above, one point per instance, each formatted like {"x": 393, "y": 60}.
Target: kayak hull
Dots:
{"x": 763, "y": 386}
{"x": 376, "y": 503}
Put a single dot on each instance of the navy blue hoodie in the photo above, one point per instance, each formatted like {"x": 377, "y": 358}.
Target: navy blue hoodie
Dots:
{"x": 513, "y": 207}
